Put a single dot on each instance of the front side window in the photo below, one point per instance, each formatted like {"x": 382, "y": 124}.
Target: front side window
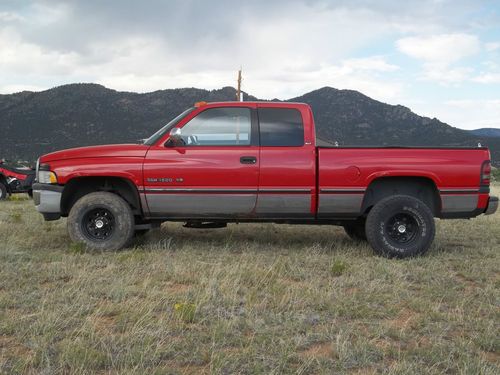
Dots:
{"x": 281, "y": 127}
{"x": 219, "y": 127}
{"x": 160, "y": 133}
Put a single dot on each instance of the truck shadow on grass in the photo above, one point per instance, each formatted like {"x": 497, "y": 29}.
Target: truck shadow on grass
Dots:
{"x": 252, "y": 237}
{"x": 449, "y": 240}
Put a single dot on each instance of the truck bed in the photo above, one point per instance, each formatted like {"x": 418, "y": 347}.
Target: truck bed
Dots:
{"x": 345, "y": 175}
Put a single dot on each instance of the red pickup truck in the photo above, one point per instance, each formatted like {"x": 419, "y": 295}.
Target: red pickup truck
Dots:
{"x": 260, "y": 162}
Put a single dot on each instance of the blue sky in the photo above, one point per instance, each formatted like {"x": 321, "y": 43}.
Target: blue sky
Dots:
{"x": 441, "y": 58}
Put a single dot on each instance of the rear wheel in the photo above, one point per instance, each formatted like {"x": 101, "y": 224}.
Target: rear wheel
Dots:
{"x": 400, "y": 226}
{"x": 356, "y": 229}
{"x": 3, "y": 191}
{"x": 102, "y": 221}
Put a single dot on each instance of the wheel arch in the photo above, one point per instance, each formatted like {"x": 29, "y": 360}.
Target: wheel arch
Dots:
{"x": 81, "y": 186}
{"x": 423, "y": 188}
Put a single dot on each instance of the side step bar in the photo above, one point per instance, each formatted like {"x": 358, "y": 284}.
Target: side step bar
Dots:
{"x": 205, "y": 225}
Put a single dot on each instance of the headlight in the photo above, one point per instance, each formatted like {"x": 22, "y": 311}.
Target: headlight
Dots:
{"x": 45, "y": 176}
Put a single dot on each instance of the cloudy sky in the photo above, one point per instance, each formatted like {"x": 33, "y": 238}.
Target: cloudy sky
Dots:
{"x": 441, "y": 58}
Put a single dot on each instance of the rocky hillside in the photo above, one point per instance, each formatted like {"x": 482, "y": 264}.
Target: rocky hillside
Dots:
{"x": 486, "y": 132}
{"x": 34, "y": 123}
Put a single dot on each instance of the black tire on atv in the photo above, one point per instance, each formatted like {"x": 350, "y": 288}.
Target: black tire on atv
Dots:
{"x": 356, "y": 230}
{"x": 400, "y": 226}
{"x": 102, "y": 221}
{"x": 3, "y": 192}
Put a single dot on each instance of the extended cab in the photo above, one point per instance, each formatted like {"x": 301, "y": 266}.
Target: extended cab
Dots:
{"x": 261, "y": 162}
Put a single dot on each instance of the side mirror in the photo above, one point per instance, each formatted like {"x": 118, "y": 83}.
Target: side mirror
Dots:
{"x": 175, "y": 134}
{"x": 174, "y": 138}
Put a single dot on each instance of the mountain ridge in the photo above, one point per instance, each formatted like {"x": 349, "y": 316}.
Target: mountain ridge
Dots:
{"x": 486, "y": 132}
{"x": 82, "y": 114}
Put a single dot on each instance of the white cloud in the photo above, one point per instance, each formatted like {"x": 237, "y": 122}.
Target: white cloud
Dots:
{"x": 442, "y": 49}
{"x": 445, "y": 74}
{"x": 18, "y": 88}
{"x": 286, "y": 47}
{"x": 492, "y": 46}
{"x": 282, "y": 84}
{"x": 10, "y": 17}
{"x": 487, "y": 78}
{"x": 470, "y": 103}
{"x": 374, "y": 63}
{"x": 18, "y": 57}
{"x": 306, "y": 47}
{"x": 440, "y": 54}
{"x": 464, "y": 113}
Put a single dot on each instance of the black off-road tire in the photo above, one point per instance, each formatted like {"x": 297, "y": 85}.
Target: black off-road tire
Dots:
{"x": 94, "y": 209}
{"x": 356, "y": 230}
{"x": 3, "y": 192}
{"x": 400, "y": 226}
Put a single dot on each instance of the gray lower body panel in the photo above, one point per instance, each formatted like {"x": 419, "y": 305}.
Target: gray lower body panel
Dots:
{"x": 334, "y": 204}
{"x": 283, "y": 204}
{"x": 459, "y": 202}
{"x": 200, "y": 205}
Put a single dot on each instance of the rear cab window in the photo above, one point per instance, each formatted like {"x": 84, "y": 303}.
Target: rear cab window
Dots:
{"x": 281, "y": 127}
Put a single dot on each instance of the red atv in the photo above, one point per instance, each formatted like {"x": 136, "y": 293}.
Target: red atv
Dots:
{"x": 15, "y": 180}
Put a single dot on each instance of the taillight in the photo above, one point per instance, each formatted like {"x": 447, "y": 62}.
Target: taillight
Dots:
{"x": 486, "y": 173}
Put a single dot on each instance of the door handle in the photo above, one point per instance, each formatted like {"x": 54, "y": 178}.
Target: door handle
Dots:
{"x": 248, "y": 160}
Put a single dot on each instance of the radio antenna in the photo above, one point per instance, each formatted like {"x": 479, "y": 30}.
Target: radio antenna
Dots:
{"x": 239, "y": 96}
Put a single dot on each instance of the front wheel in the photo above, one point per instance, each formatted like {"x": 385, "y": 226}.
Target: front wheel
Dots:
{"x": 400, "y": 226}
{"x": 102, "y": 221}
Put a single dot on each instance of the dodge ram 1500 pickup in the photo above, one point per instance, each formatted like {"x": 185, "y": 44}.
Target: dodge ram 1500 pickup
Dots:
{"x": 218, "y": 163}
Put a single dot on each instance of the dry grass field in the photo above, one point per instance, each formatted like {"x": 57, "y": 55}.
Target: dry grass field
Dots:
{"x": 250, "y": 298}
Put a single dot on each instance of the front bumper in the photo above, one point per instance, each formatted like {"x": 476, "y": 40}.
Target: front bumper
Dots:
{"x": 492, "y": 206}
{"x": 47, "y": 200}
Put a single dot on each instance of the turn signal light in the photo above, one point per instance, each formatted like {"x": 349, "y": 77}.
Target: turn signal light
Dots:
{"x": 200, "y": 104}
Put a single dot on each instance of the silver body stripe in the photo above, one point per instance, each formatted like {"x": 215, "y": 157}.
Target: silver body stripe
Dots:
{"x": 218, "y": 190}
{"x": 444, "y": 191}
{"x": 341, "y": 191}
{"x": 189, "y": 190}
{"x": 280, "y": 190}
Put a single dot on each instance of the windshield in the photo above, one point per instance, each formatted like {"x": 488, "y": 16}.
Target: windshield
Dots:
{"x": 160, "y": 133}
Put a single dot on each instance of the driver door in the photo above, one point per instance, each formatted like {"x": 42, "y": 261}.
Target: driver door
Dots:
{"x": 213, "y": 173}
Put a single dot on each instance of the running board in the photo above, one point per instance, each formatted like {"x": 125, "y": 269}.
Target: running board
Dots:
{"x": 205, "y": 225}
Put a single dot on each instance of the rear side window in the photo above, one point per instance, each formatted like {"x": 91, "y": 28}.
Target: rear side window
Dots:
{"x": 281, "y": 127}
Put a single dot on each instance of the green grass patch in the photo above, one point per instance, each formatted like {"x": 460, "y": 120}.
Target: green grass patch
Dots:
{"x": 338, "y": 267}
{"x": 251, "y": 298}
